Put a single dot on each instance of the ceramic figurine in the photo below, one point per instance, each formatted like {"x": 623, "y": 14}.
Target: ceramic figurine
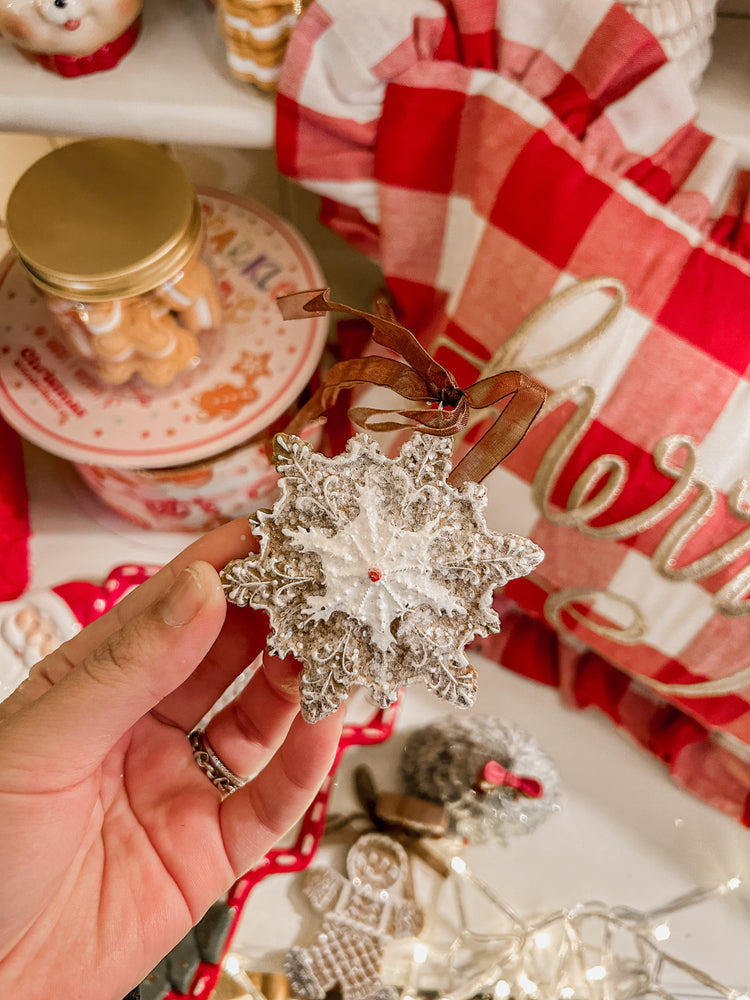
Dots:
{"x": 71, "y": 37}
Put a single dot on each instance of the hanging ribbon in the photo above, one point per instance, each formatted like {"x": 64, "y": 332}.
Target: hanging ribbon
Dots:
{"x": 419, "y": 378}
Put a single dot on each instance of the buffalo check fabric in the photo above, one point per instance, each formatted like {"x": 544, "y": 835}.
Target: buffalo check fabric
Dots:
{"x": 507, "y": 160}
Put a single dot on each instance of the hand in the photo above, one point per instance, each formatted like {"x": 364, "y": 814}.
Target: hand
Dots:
{"x": 113, "y": 842}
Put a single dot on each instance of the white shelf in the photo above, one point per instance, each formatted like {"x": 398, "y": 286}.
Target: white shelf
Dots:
{"x": 174, "y": 86}
{"x": 724, "y": 94}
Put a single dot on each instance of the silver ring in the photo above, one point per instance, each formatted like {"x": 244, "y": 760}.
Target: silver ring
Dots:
{"x": 212, "y": 765}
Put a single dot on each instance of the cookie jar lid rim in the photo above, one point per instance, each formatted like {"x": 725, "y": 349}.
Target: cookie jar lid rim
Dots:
{"x": 102, "y": 219}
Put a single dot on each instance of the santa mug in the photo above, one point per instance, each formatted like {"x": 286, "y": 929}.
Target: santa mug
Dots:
{"x": 72, "y": 37}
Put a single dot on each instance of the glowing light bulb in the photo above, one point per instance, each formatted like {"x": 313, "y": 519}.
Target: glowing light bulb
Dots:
{"x": 734, "y": 883}
{"x": 458, "y": 865}
{"x": 502, "y": 990}
{"x": 567, "y": 993}
{"x": 527, "y": 985}
{"x": 420, "y": 953}
{"x": 542, "y": 939}
{"x": 596, "y": 973}
{"x": 661, "y": 932}
{"x": 232, "y": 964}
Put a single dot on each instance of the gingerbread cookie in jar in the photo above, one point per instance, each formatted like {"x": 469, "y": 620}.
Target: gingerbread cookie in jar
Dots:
{"x": 72, "y": 37}
{"x": 111, "y": 232}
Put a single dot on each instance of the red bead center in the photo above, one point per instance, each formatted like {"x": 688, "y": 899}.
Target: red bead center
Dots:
{"x": 374, "y": 575}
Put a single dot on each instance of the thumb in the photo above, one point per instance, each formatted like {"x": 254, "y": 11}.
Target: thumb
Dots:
{"x": 68, "y": 731}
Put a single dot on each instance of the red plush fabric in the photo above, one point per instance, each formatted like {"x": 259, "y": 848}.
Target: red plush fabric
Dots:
{"x": 494, "y": 156}
{"x": 14, "y": 516}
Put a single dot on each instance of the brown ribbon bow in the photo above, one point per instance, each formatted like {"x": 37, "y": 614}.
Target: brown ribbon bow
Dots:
{"x": 408, "y": 820}
{"x": 423, "y": 380}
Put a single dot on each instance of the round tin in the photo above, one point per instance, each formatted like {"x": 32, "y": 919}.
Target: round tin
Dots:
{"x": 195, "y": 497}
{"x": 253, "y": 369}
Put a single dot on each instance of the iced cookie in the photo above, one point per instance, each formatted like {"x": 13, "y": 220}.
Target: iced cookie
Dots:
{"x": 375, "y": 571}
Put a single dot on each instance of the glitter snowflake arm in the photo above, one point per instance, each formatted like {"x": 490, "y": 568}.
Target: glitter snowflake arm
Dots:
{"x": 331, "y": 665}
{"x": 436, "y": 652}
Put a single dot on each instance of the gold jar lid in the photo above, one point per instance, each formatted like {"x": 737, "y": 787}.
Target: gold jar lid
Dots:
{"x": 103, "y": 219}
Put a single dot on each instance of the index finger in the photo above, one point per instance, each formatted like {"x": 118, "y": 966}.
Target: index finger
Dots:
{"x": 227, "y": 542}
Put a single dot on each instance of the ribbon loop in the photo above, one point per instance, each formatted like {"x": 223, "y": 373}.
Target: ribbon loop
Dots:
{"x": 421, "y": 379}
{"x": 386, "y": 331}
{"x": 525, "y": 400}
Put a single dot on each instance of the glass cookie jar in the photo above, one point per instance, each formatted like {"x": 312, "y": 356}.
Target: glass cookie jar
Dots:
{"x": 111, "y": 232}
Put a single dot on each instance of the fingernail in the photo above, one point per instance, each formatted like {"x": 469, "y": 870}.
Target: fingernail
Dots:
{"x": 184, "y": 599}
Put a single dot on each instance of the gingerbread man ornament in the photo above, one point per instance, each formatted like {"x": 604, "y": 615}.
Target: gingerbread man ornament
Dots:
{"x": 362, "y": 913}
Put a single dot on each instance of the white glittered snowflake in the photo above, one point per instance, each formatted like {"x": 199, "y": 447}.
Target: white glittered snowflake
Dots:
{"x": 375, "y": 571}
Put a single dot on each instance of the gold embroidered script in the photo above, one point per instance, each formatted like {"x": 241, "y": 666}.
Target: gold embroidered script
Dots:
{"x": 599, "y": 485}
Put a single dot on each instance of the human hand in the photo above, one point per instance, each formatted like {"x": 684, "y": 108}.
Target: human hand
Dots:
{"x": 113, "y": 842}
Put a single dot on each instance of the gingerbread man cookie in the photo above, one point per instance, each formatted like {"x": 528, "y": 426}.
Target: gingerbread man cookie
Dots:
{"x": 152, "y": 335}
{"x": 192, "y": 294}
{"x": 362, "y": 913}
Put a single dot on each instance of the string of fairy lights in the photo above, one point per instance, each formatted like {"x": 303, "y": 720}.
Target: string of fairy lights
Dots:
{"x": 588, "y": 951}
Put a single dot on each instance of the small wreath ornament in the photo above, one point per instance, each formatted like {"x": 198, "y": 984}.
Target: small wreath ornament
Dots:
{"x": 375, "y": 571}
{"x": 449, "y": 762}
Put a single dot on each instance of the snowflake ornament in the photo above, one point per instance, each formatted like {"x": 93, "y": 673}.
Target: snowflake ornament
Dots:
{"x": 376, "y": 572}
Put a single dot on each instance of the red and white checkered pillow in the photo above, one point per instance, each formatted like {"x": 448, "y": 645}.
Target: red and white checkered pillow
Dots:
{"x": 493, "y": 155}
